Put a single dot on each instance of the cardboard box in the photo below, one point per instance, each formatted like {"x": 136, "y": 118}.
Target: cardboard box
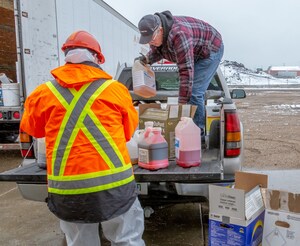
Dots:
{"x": 236, "y": 214}
{"x": 213, "y": 112}
{"x": 282, "y": 218}
{"x": 166, "y": 117}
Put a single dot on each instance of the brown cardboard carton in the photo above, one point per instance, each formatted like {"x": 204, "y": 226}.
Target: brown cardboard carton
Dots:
{"x": 282, "y": 218}
{"x": 166, "y": 117}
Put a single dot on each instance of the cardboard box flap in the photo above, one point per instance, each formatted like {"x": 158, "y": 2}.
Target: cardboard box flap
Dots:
{"x": 281, "y": 200}
{"x": 172, "y": 111}
{"x": 143, "y": 107}
{"x": 254, "y": 202}
{"x": 155, "y": 114}
{"x": 247, "y": 181}
{"x": 227, "y": 201}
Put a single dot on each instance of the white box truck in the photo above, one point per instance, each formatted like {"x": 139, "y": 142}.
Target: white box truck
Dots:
{"x": 42, "y": 26}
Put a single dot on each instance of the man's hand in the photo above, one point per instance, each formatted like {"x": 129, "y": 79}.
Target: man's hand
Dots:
{"x": 143, "y": 59}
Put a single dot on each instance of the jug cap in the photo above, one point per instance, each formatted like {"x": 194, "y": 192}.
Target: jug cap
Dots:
{"x": 148, "y": 124}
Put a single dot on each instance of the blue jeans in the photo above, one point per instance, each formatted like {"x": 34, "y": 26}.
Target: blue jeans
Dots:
{"x": 204, "y": 71}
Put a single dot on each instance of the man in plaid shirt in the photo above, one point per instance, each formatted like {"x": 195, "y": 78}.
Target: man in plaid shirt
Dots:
{"x": 194, "y": 45}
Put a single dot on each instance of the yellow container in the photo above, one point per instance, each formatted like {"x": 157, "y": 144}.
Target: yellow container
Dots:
{"x": 213, "y": 112}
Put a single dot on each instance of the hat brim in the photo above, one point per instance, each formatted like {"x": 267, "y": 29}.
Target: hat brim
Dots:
{"x": 145, "y": 39}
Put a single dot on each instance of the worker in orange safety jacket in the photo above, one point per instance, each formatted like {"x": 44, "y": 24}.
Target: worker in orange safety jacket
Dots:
{"x": 86, "y": 119}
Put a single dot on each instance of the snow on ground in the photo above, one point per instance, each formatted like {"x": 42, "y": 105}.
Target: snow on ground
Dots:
{"x": 284, "y": 109}
{"x": 237, "y": 74}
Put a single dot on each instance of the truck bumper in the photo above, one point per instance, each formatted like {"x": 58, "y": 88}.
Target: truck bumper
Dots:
{"x": 34, "y": 192}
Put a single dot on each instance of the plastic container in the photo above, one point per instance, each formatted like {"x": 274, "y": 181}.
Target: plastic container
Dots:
{"x": 133, "y": 150}
{"x": 143, "y": 80}
{"x": 132, "y": 145}
{"x": 153, "y": 150}
{"x": 187, "y": 143}
{"x": 41, "y": 153}
{"x": 139, "y": 134}
{"x": 11, "y": 94}
{"x": 4, "y": 79}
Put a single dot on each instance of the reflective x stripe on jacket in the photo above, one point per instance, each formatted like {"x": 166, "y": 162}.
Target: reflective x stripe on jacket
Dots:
{"x": 79, "y": 116}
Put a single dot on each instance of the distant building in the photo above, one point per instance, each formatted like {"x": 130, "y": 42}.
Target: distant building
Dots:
{"x": 284, "y": 71}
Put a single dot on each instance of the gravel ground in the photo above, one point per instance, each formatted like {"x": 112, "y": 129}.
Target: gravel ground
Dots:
{"x": 271, "y": 129}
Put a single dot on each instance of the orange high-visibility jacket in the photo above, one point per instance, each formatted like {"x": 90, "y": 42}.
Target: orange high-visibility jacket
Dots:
{"x": 77, "y": 169}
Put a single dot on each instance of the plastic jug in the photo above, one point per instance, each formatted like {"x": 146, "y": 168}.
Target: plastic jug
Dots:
{"x": 132, "y": 145}
{"x": 187, "y": 143}
{"x": 139, "y": 134}
{"x": 133, "y": 150}
{"x": 153, "y": 150}
{"x": 41, "y": 153}
{"x": 143, "y": 80}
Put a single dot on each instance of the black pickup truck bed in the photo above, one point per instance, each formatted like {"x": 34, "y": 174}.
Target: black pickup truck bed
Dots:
{"x": 208, "y": 171}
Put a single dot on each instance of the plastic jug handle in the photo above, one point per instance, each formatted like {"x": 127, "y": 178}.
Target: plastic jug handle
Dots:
{"x": 147, "y": 132}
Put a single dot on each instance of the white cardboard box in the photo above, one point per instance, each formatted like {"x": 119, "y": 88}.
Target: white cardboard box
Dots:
{"x": 282, "y": 218}
{"x": 236, "y": 214}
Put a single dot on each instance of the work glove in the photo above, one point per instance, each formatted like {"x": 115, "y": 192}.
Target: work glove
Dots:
{"x": 142, "y": 59}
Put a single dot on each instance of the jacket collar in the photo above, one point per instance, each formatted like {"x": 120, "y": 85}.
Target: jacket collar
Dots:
{"x": 73, "y": 75}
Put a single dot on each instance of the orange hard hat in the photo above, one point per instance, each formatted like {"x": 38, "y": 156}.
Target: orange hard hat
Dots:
{"x": 85, "y": 40}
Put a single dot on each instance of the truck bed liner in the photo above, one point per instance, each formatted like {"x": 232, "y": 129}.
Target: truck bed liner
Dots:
{"x": 208, "y": 171}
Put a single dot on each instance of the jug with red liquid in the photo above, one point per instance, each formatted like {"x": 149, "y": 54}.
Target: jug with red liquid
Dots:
{"x": 153, "y": 150}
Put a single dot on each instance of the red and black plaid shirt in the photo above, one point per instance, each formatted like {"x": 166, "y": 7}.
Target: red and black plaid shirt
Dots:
{"x": 188, "y": 41}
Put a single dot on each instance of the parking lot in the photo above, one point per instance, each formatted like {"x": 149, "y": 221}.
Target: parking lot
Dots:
{"x": 272, "y": 142}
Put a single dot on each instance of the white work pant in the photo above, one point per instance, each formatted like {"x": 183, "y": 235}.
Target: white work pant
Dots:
{"x": 124, "y": 230}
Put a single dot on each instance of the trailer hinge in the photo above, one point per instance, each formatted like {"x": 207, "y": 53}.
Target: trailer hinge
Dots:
{"x": 25, "y": 14}
{"x": 27, "y": 51}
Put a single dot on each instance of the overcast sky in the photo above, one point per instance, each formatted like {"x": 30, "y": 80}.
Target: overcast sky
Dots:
{"x": 257, "y": 33}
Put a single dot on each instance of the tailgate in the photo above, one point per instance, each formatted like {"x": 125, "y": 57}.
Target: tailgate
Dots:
{"x": 29, "y": 173}
{"x": 208, "y": 171}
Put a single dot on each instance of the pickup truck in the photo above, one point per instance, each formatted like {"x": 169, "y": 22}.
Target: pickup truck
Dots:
{"x": 222, "y": 156}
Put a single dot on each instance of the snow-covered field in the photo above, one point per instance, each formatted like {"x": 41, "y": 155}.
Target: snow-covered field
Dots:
{"x": 236, "y": 74}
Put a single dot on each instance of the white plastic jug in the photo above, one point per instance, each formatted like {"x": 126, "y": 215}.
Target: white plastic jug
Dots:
{"x": 133, "y": 150}
{"x": 187, "y": 143}
{"x": 41, "y": 152}
{"x": 143, "y": 80}
{"x": 132, "y": 145}
{"x": 139, "y": 134}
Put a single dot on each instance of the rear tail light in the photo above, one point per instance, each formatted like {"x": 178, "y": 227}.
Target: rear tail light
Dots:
{"x": 1, "y": 115}
{"x": 16, "y": 115}
{"x": 27, "y": 153}
{"x": 232, "y": 134}
{"x": 26, "y": 142}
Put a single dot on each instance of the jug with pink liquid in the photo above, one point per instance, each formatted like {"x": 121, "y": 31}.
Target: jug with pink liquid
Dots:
{"x": 187, "y": 143}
